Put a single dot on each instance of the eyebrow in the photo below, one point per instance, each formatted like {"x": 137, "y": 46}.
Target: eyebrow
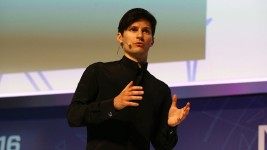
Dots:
{"x": 147, "y": 27}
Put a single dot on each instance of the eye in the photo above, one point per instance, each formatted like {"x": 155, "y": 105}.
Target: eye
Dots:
{"x": 133, "y": 29}
{"x": 148, "y": 31}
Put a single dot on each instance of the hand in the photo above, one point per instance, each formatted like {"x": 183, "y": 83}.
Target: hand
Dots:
{"x": 176, "y": 115}
{"x": 128, "y": 94}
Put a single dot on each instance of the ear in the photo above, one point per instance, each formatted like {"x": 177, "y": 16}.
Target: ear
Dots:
{"x": 119, "y": 37}
{"x": 152, "y": 42}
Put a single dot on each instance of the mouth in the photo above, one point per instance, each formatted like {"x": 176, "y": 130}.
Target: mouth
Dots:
{"x": 139, "y": 44}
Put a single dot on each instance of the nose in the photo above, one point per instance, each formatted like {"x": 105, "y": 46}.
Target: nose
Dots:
{"x": 140, "y": 34}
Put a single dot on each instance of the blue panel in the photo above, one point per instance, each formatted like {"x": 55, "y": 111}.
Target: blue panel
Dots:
{"x": 215, "y": 123}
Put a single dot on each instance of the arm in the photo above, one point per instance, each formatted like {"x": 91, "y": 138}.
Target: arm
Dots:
{"x": 84, "y": 108}
{"x": 165, "y": 136}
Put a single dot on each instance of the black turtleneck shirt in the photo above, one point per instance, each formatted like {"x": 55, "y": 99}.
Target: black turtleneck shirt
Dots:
{"x": 132, "y": 128}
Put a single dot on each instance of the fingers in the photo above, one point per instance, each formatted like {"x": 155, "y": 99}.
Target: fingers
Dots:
{"x": 176, "y": 115}
{"x": 133, "y": 104}
{"x": 174, "y": 100}
{"x": 130, "y": 87}
{"x": 187, "y": 106}
{"x": 186, "y": 110}
{"x": 135, "y": 93}
{"x": 130, "y": 84}
{"x": 174, "y": 103}
{"x": 129, "y": 94}
{"x": 121, "y": 102}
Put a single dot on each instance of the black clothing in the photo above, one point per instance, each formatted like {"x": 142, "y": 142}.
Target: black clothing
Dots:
{"x": 132, "y": 128}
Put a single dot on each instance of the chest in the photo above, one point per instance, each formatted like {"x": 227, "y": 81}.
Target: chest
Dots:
{"x": 110, "y": 84}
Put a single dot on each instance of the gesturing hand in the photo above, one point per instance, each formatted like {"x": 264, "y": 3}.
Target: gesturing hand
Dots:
{"x": 176, "y": 115}
{"x": 128, "y": 94}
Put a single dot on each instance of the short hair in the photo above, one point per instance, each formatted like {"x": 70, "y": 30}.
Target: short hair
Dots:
{"x": 134, "y": 15}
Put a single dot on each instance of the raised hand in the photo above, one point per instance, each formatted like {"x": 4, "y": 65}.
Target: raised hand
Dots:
{"x": 127, "y": 95}
{"x": 176, "y": 115}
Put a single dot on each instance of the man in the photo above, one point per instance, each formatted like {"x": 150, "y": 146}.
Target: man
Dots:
{"x": 123, "y": 106}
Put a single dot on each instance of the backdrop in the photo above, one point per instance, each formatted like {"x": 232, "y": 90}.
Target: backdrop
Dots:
{"x": 215, "y": 123}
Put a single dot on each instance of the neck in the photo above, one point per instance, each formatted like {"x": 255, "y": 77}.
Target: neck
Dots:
{"x": 139, "y": 60}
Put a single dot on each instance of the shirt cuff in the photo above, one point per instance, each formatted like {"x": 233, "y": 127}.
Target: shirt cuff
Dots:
{"x": 172, "y": 130}
{"x": 107, "y": 109}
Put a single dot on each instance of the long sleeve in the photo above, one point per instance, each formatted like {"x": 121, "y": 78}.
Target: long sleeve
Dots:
{"x": 165, "y": 136}
{"x": 132, "y": 127}
{"x": 84, "y": 108}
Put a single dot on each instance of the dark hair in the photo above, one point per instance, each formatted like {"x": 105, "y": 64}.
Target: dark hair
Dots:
{"x": 134, "y": 15}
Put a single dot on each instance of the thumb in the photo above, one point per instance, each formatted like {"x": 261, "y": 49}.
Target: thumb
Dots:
{"x": 174, "y": 100}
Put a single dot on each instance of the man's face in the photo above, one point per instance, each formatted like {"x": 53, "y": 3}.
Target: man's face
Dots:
{"x": 136, "y": 40}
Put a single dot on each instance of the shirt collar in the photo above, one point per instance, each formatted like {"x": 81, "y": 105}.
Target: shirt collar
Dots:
{"x": 132, "y": 64}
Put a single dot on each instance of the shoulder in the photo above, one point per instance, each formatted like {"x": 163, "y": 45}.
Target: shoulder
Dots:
{"x": 161, "y": 90}
{"x": 102, "y": 68}
{"x": 97, "y": 66}
{"x": 159, "y": 83}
